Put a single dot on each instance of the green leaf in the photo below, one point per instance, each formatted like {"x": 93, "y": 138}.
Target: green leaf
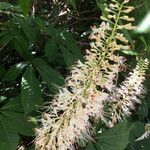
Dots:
{"x": 25, "y": 4}
{"x": 5, "y": 5}
{"x": 132, "y": 53}
{"x": 137, "y": 131}
{"x": 30, "y": 90}
{"x": 8, "y": 137}
{"x": 2, "y": 70}
{"x": 21, "y": 46}
{"x": 91, "y": 146}
{"x": 51, "y": 49}
{"x": 14, "y": 104}
{"x": 51, "y": 31}
{"x": 71, "y": 51}
{"x": 73, "y": 3}
{"x": 115, "y": 138}
{"x": 13, "y": 122}
{"x": 143, "y": 110}
{"x": 144, "y": 42}
{"x": 69, "y": 59}
{"x": 28, "y": 28}
{"x": 100, "y": 5}
{"x": 2, "y": 98}
{"x": 142, "y": 145}
{"x": 48, "y": 74}
{"x": 6, "y": 39}
{"x": 18, "y": 122}
{"x": 15, "y": 71}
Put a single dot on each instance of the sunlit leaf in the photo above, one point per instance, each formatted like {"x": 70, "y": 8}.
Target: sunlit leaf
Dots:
{"x": 144, "y": 26}
{"x": 130, "y": 53}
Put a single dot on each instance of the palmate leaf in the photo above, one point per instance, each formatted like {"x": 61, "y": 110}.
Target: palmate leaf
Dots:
{"x": 52, "y": 77}
{"x": 12, "y": 122}
{"x": 115, "y": 138}
{"x": 30, "y": 90}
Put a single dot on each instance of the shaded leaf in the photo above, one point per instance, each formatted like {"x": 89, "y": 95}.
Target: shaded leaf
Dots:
{"x": 28, "y": 28}
{"x": 137, "y": 131}
{"x": 30, "y": 90}
{"x": 14, "y": 104}
{"x": 6, "y": 39}
{"x": 21, "y": 46}
{"x": 115, "y": 138}
{"x": 73, "y": 3}
{"x": 68, "y": 56}
{"x": 142, "y": 145}
{"x": 2, "y": 70}
{"x": 15, "y": 71}
{"x": 100, "y": 5}
{"x": 25, "y": 4}
{"x": 71, "y": 51}
{"x": 51, "y": 49}
{"x": 91, "y": 146}
{"x": 8, "y": 137}
{"x": 12, "y": 123}
{"x": 48, "y": 74}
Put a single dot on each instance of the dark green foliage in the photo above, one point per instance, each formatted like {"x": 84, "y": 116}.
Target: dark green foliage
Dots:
{"x": 115, "y": 138}
{"x": 36, "y": 50}
{"x": 12, "y": 122}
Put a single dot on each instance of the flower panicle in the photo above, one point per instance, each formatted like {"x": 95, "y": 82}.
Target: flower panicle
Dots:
{"x": 86, "y": 89}
{"x": 125, "y": 97}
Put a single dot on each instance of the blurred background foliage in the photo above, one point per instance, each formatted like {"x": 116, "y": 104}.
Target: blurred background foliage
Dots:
{"x": 39, "y": 41}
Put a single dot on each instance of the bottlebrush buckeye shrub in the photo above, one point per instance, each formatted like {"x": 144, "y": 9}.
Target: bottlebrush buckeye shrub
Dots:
{"x": 90, "y": 85}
